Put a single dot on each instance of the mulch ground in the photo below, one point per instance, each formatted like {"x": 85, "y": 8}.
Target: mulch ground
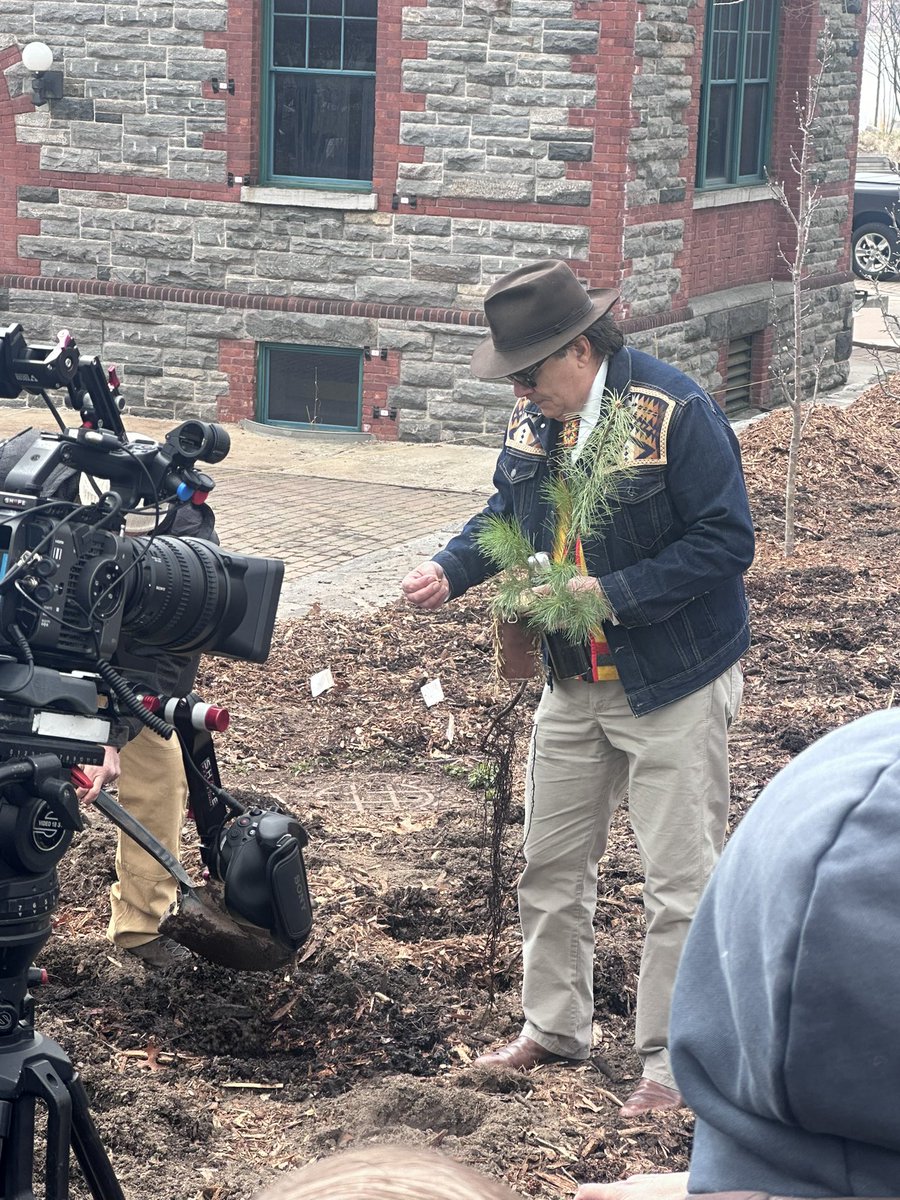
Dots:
{"x": 205, "y": 1084}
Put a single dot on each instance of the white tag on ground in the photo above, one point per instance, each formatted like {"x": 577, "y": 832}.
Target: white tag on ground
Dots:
{"x": 321, "y": 681}
{"x": 432, "y": 692}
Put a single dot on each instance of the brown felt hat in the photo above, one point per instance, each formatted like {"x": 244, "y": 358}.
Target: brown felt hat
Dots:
{"x": 534, "y": 312}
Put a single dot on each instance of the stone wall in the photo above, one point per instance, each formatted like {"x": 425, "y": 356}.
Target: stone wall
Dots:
{"x": 506, "y": 131}
{"x": 170, "y": 355}
{"x": 137, "y": 101}
{"x": 393, "y": 258}
{"x": 499, "y": 89}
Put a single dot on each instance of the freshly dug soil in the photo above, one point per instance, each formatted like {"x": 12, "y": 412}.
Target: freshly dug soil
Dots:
{"x": 206, "y": 1084}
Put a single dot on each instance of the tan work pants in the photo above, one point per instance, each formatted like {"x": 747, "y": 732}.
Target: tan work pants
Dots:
{"x": 153, "y": 788}
{"x": 587, "y": 751}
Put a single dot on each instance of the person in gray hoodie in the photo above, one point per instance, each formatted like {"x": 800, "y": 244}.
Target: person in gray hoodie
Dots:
{"x": 785, "y": 1035}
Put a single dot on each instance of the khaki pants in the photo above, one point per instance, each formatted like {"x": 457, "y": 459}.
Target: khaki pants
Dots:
{"x": 588, "y": 750}
{"x": 153, "y": 788}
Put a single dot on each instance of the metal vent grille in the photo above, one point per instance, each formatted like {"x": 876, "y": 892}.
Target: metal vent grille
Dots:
{"x": 739, "y": 379}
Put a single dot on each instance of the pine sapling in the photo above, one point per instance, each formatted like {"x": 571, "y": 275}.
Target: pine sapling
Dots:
{"x": 581, "y": 496}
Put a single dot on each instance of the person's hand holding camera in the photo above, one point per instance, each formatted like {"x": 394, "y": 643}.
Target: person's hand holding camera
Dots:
{"x": 107, "y": 772}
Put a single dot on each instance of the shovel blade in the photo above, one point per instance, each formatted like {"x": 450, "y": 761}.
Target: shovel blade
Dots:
{"x": 198, "y": 919}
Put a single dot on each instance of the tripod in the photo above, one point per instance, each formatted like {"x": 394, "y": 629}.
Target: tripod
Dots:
{"x": 38, "y": 815}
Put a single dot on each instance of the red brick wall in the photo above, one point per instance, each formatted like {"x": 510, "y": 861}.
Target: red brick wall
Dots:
{"x": 379, "y": 375}
{"x": 725, "y": 247}
{"x": 613, "y": 68}
{"x": 237, "y": 360}
{"x": 20, "y": 165}
{"x": 242, "y": 43}
{"x": 739, "y": 244}
{"x": 390, "y": 101}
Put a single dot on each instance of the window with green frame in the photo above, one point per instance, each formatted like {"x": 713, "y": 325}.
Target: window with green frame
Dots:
{"x": 737, "y": 86}
{"x": 315, "y": 387}
{"x": 319, "y": 102}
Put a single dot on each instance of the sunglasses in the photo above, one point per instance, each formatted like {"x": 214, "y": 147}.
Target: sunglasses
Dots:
{"x": 528, "y": 379}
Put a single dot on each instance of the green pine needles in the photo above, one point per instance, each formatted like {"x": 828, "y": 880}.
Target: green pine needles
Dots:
{"x": 582, "y": 497}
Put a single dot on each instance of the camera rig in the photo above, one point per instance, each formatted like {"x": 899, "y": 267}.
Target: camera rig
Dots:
{"x": 75, "y": 586}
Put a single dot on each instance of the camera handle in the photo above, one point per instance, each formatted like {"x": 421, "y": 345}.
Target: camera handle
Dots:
{"x": 123, "y": 820}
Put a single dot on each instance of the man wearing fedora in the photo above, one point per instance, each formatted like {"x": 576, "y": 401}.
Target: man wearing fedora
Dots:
{"x": 643, "y": 709}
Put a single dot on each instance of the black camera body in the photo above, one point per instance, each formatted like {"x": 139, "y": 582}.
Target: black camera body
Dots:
{"x": 73, "y": 584}
{"x": 74, "y": 587}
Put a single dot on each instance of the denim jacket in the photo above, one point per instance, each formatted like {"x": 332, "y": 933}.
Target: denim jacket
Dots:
{"x": 672, "y": 556}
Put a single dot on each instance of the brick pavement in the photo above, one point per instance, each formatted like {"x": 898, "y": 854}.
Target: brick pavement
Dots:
{"x": 316, "y": 524}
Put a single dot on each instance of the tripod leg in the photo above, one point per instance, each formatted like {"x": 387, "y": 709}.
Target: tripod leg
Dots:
{"x": 69, "y": 1127}
{"x": 42, "y": 1081}
{"x": 89, "y": 1150}
{"x": 17, "y": 1148}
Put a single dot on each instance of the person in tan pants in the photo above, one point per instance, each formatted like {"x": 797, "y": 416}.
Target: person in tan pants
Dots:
{"x": 152, "y": 786}
{"x": 643, "y": 704}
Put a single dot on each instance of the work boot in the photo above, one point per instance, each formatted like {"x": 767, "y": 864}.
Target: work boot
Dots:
{"x": 160, "y": 952}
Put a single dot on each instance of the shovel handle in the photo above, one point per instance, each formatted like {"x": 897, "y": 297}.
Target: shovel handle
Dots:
{"x": 144, "y": 838}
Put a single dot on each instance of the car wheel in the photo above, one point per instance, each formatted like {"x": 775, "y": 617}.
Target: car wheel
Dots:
{"x": 874, "y": 250}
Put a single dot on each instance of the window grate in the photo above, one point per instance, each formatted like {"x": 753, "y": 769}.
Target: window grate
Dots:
{"x": 739, "y": 376}
{"x": 311, "y": 387}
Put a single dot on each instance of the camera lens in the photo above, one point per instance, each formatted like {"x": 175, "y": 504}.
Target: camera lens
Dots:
{"x": 182, "y": 594}
{"x": 185, "y": 594}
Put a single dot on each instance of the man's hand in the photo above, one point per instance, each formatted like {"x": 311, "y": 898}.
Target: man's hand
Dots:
{"x": 578, "y": 583}
{"x": 637, "y": 1187}
{"x": 108, "y": 772}
{"x": 426, "y": 586}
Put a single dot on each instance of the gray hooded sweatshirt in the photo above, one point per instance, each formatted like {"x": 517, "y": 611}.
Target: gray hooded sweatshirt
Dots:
{"x": 785, "y": 1028}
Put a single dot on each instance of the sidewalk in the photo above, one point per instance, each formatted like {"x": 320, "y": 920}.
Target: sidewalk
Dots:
{"x": 349, "y": 519}
{"x": 876, "y": 326}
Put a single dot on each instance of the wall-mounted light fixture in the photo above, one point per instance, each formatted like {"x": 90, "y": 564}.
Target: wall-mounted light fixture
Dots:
{"x": 220, "y": 85}
{"x": 37, "y": 57}
{"x": 370, "y": 352}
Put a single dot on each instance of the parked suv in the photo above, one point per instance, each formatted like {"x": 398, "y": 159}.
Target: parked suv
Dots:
{"x": 876, "y": 216}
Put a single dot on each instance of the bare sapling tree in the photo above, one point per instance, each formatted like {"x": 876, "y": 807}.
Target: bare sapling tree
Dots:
{"x": 800, "y": 198}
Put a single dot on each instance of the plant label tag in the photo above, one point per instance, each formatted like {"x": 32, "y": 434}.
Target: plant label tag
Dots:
{"x": 432, "y": 692}
{"x": 321, "y": 682}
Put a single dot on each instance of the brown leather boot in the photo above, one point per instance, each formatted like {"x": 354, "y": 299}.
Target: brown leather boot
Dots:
{"x": 520, "y": 1055}
{"x": 650, "y": 1096}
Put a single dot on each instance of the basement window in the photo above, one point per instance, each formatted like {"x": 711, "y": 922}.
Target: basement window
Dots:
{"x": 310, "y": 387}
{"x": 739, "y": 377}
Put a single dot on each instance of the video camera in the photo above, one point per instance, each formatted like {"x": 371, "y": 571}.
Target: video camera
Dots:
{"x": 73, "y": 583}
